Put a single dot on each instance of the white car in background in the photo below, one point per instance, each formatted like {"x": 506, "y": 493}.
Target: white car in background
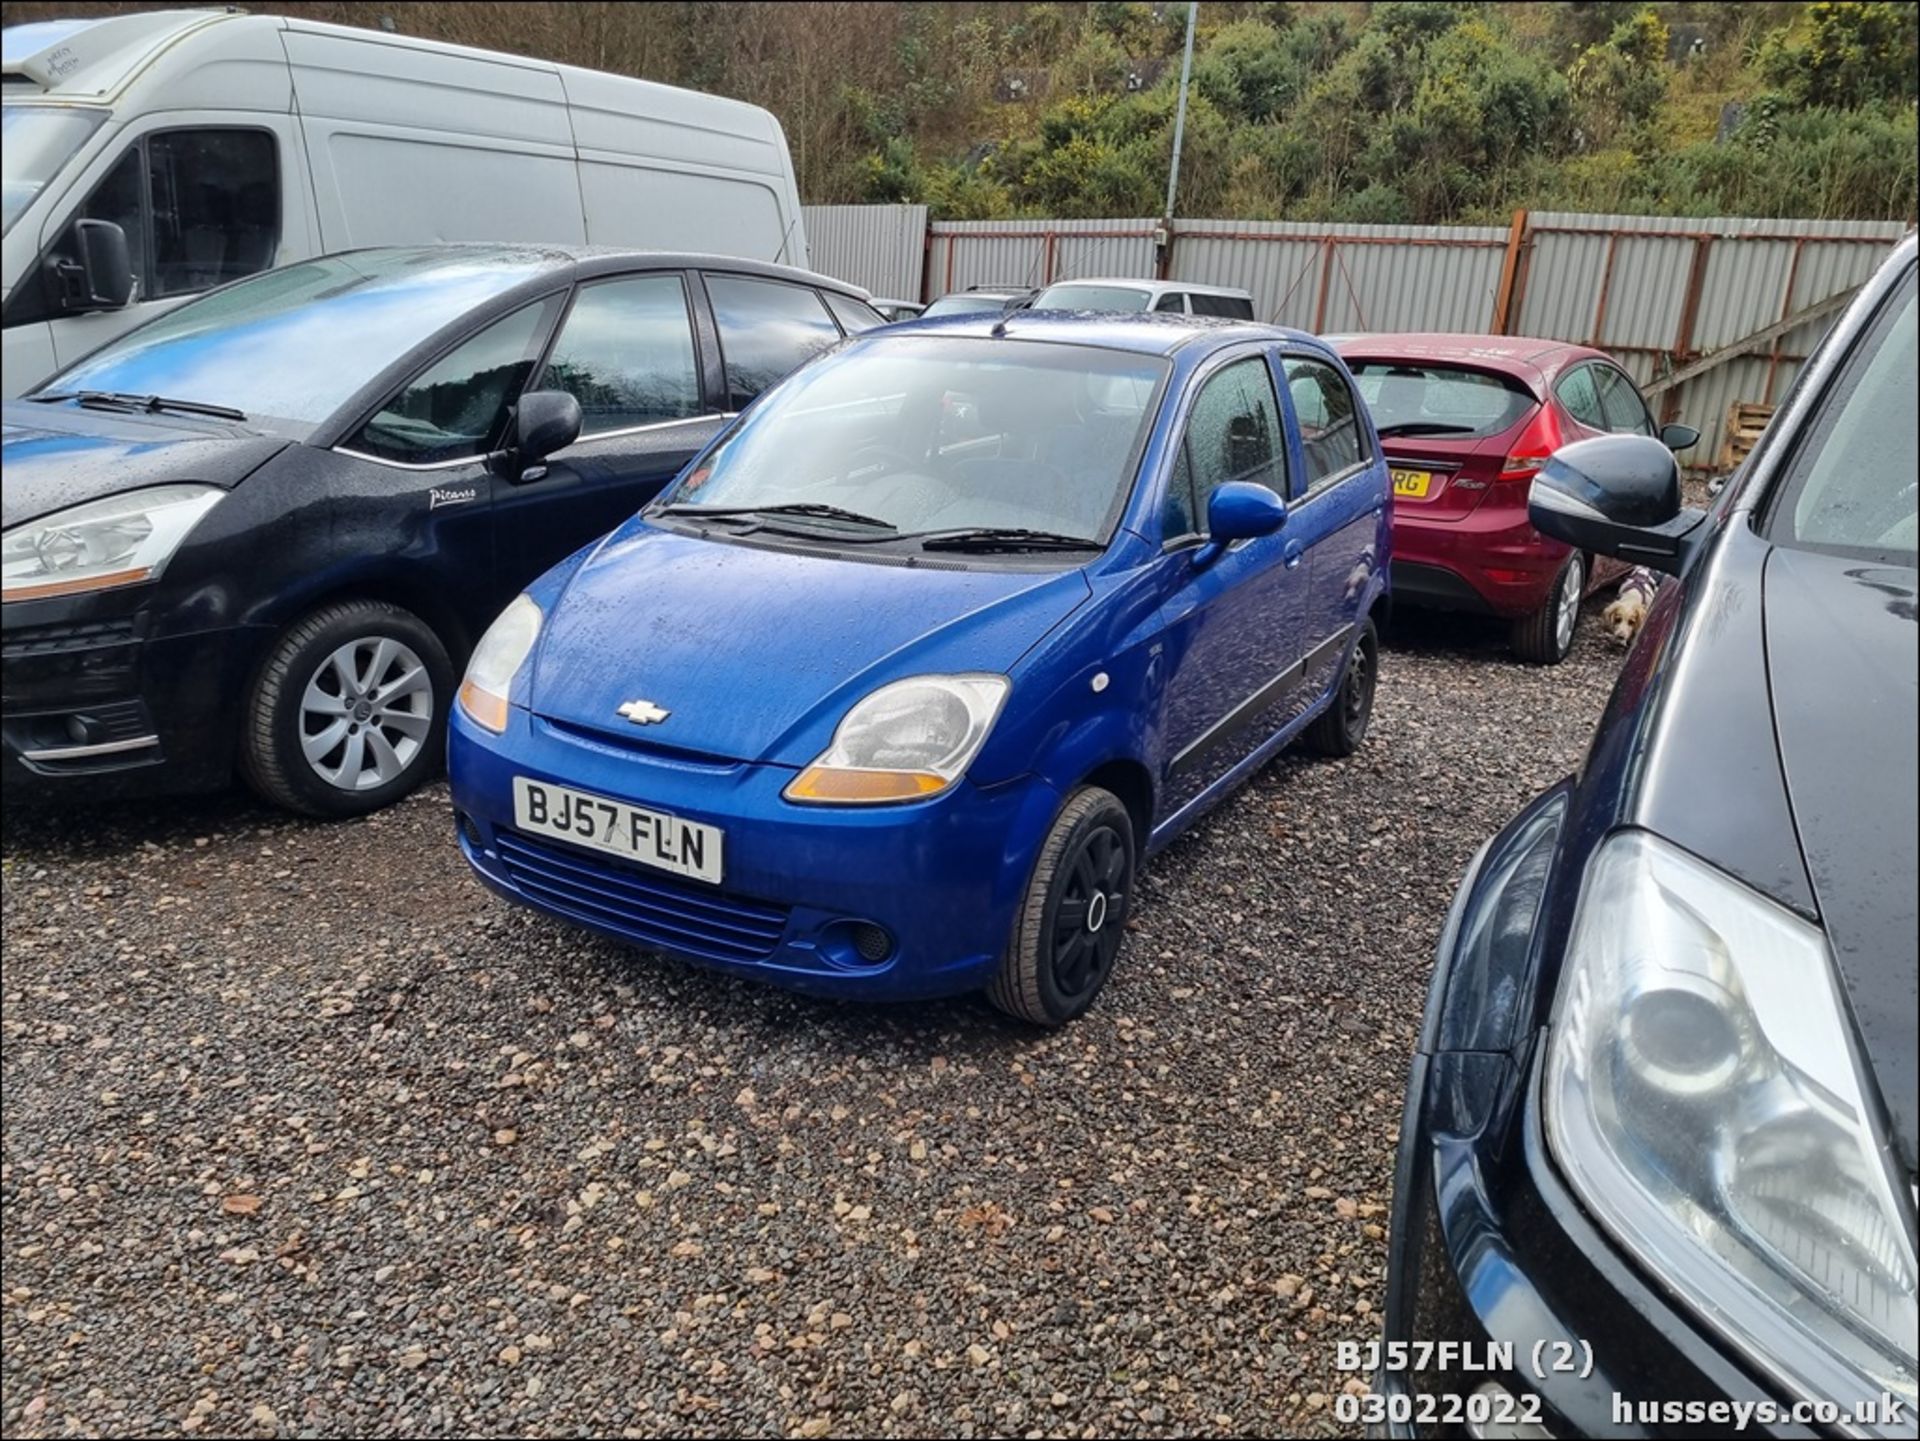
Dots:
{"x": 1176, "y": 297}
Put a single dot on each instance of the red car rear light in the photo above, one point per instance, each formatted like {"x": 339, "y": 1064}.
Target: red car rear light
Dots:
{"x": 1539, "y": 440}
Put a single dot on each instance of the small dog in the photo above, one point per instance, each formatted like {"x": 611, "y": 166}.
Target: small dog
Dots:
{"x": 1624, "y": 616}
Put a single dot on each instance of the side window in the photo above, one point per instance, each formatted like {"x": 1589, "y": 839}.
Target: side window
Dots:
{"x": 852, "y": 315}
{"x": 1233, "y": 434}
{"x": 456, "y": 409}
{"x": 1581, "y": 396}
{"x": 216, "y": 207}
{"x": 626, "y": 354}
{"x": 1178, "y": 517}
{"x": 767, "y": 328}
{"x": 1329, "y": 420}
{"x": 119, "y": 197}
{"x": 1620, "y": 402}
{"x": 1172, "y": 301}
{"x": 1230, "y": 307}
{"x": 200, "y": 207}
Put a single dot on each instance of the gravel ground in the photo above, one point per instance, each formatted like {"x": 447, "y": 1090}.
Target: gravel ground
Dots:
{"x": 305, "y": 1133}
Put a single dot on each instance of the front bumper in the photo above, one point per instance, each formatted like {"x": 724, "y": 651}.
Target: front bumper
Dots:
{"x": 1489, "y": 1255}
{"x": 1491, "y": 562}
{"x": 941, "y": 878}
{"x": 95, "y": 707}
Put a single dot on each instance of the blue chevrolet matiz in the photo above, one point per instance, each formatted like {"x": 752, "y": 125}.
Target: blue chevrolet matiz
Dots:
{"x": 890, "y": 693}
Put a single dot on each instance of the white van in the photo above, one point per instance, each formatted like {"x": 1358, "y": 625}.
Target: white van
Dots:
{"x": 219, "y": 144}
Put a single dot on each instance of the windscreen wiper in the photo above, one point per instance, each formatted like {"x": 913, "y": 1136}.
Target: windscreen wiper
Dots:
{"x": 798, "y": 507}
{"x": 151, "y": 404}
{"x": 1001, "y": 537}
{"x": 1426, "y": 427}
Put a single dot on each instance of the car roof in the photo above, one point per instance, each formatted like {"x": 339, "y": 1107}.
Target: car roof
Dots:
{"x": 1146, "y": 332}
{"x": 593, "y": 260}
{"x": 1134, "y": 282}
{"x": 1527, "y": 357}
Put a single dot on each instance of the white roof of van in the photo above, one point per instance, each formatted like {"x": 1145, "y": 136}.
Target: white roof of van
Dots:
{"x": 93, "y": 59}
{"x": 1155, "y": 287}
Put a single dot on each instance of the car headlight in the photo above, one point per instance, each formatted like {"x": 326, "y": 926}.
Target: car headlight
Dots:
{"x": 906, "y": 741}
{"x": 496, "y": 660}
{"x": 121, "y": 540}
{"x": 1705, "y": 1100}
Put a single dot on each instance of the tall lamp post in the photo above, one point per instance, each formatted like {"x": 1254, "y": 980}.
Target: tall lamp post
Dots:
{"x": 1179, "y": 135}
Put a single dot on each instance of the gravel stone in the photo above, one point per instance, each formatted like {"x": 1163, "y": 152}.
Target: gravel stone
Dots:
{"x": 304, "y": 1132}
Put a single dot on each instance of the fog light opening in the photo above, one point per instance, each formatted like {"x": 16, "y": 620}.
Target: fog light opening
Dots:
{"x": 468, "y": 830}
{"x": 872, "y": 942}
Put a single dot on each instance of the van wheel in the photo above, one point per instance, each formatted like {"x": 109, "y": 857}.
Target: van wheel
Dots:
{"x": 1074, "y": 916}
{"x": 349, "y": 711}
{"x": 1343, "y": 725}
{"x": 1546, "y": 636}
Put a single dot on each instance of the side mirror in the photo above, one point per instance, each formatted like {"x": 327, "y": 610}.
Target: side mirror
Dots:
{"x": 100, "y": 274}
{"x": 1239, "y": 510}
{"x": 543, "y": 422}
{"x": 1679, "y": 437}
{"x": 1616, "y": 495}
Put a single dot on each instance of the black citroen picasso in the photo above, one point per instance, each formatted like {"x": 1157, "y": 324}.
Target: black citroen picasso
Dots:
{"x": 1657, "y": 1168}
{"x": 260, "y": 532}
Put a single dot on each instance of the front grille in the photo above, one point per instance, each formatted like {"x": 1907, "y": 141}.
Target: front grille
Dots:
{"x": 647, "y": 907}
{"x": 54, "y": 639}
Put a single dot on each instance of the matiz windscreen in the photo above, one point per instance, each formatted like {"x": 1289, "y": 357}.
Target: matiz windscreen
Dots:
{"x": 890, "y": 693}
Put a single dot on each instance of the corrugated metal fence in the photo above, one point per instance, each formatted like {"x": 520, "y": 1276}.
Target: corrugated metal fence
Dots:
{"x": 1664, "y": 295}
{"x": 882, "y": 247}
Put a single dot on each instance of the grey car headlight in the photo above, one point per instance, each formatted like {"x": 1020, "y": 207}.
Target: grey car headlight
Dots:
{"x": 120, "y": 540}
{"x": 1705, "y": 1100}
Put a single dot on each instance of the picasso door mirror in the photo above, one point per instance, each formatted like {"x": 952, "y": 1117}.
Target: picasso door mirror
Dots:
{"x": 543, "y": 422}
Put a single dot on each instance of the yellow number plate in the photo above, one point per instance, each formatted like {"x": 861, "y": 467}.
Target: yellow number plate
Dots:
{"x": 1415, "y": 483}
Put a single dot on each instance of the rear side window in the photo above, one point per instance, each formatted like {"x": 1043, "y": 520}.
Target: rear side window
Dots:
{"x": 1409, "y": 398}
{"x": 1621, "y": 403}
{"x": 1227, "y": 307}
{"x": 767, "y": 329}
{"x": 626, "y": 354}
{"x": 1581, "y": 396}
{"x": 456, "y": 409}
{"x": 1233, "y": 433}
{"x": 853, "y": 316}
{"x": 1329, "y": 420}
{"x": 1173, "y": 301}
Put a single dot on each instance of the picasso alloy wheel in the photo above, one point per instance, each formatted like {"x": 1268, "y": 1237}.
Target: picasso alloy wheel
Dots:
{"x": 348, "y": 713}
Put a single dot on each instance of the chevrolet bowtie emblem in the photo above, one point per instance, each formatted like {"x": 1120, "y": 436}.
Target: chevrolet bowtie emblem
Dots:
{"x": 644, "y": 712}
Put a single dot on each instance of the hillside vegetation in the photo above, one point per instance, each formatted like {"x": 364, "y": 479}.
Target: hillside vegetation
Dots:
{"x": 1408, "y": 111}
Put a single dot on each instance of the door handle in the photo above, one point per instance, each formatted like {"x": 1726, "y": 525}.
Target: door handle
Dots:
{"x": 1291, "y": 553}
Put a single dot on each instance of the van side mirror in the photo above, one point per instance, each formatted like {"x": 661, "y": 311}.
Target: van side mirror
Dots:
{"x": 1679, "y": 437}
{"x": 1239, "y": 510}
{"x": 99, "y": 275}
{"x": 543, "y": 422}
{"x": 1616, "y": 495}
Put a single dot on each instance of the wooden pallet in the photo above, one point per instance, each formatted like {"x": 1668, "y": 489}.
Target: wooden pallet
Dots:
{"x": 1745, "y": 421}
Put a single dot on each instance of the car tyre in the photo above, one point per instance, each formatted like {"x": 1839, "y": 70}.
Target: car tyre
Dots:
{"x": 348, "y": 713}
{"x": 1343, "y": 725}
{"x": 1064, "y": 939}
{"x": 1545, "y": 637}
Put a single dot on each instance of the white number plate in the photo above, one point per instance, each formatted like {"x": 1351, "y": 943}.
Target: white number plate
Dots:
{"x": 667, "y": 843}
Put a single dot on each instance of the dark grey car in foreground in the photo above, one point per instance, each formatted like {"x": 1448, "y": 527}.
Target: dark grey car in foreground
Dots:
{"x": 1660, "y": 1132}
